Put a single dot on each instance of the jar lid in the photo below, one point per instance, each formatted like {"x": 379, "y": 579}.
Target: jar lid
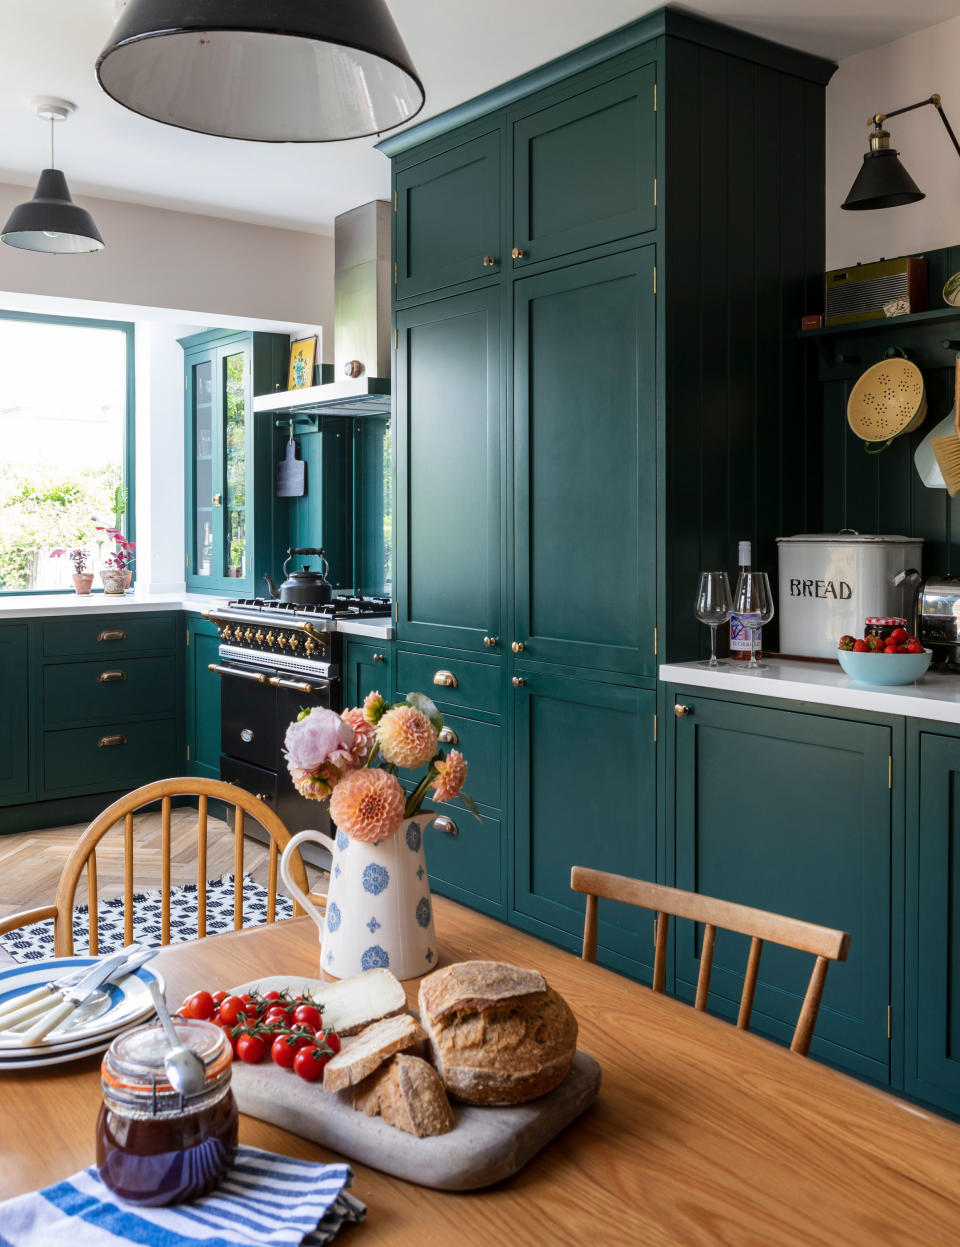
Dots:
{"x": 892, "y": 621}
{"x": 133, "y": 1065}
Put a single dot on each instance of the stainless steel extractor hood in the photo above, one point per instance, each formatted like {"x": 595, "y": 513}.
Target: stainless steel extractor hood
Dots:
{"x": 361, "y": 324}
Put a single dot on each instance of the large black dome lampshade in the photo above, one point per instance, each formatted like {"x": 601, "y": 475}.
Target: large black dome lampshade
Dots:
{"x": 273, "y": 71}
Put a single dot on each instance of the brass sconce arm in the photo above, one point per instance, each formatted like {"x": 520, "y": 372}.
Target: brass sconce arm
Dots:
{"x": 878, "y": 119}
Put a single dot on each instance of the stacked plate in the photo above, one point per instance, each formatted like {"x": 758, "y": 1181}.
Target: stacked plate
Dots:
{"x": 129, "y": 1004}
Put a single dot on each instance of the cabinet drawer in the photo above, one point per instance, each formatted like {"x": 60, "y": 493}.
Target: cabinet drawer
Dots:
{"x": 109, "y": 635}
{"x": 477, "y": 685}
{"x": 105, "y": 691}
{"x": 87, "y": 759}
{"x": 467, "y": 863}
{"x": 480, "y": 743}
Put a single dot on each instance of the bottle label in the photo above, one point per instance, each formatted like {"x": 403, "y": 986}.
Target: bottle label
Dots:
{"x": 740, "y": 626}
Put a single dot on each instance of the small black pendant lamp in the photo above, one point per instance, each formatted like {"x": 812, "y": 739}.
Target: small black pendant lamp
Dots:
{"x": 883, "y": 182}
{"x": 51, "y": 221}
{"x": 287, "y": 71}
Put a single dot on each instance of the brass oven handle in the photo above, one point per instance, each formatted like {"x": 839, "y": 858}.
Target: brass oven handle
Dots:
{"x": 110, "y": 677}
{"x": 447, "y": 825}
{"x": 112, "y": 634}
{"x": 447, "y": 736}
{"x": 299, "y": 686}
{"x": 256, "y": 676}
{"x": 446, "y": 679}
{"x": 110, "y": 742}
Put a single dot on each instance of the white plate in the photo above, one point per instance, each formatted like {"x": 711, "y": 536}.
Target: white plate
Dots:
{"x": 57, "y": 1057}
{"x": 130, "y": 1001}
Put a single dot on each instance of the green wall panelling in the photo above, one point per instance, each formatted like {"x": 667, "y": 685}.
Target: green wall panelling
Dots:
{"x": 15, "y": 717}
{"x": 367, "y": 666}
{"x": 202, "y": 697}
{"x": 791, "y": 811}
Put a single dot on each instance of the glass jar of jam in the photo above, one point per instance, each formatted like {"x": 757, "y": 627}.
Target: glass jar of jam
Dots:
{"x": 155, "y": 1146}
{"x": 882, "y": 626}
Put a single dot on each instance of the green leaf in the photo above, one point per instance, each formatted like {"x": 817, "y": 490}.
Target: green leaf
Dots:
{"x": 471, "y": 805}
{"x": 421, "y": 702}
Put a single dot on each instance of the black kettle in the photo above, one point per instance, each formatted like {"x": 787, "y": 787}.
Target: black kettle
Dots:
{"x": 305, "y": 587}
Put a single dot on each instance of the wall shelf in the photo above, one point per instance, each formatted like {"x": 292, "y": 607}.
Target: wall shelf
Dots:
{"x": 929, "y": 339}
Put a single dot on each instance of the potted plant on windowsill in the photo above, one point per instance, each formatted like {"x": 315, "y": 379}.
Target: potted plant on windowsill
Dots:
{"x": 82, "y": 577}
{"x": 117, "y": 571}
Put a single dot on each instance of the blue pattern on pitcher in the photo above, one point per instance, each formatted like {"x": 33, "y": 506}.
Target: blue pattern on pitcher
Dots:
{"x": 376, "y": 879}
{"x": 375, "y": 958}
{"x": 423, "y": 912}
{"x": 413, "y": 837}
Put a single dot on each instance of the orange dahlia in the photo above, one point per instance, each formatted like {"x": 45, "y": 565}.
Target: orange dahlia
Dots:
{"x": 364, "y": 734}
{"x": 406, "y": 737}
{"x": 368, "y": 804}
{"x": 453, "y": 773}
{"x": 374, "y": 705}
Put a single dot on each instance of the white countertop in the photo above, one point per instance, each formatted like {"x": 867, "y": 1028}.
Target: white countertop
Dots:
{"x": 52, "y": 605}
{"x": 936, "y": 696}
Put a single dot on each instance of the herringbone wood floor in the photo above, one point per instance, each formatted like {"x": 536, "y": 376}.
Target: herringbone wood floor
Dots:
{"x": 31, "y": 862}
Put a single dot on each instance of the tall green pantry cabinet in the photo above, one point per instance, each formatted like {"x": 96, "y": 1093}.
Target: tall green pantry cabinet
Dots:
{"x": 596, "y": 268}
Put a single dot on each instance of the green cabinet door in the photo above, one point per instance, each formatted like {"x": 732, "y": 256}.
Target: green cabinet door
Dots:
{"x": 15, "y": 726}
{"x": 585, "y": 514}
{"x": 932, "y": 1066}
{"x": 448, "y": 413}
{"x": 584, "y": 169}
{"x": 367, "y": 665}
{"x": 585, "y": 795}
{"x": 202, "y": 698}
{"x": 789, "y": 812}
{"x": 448, "y": 218}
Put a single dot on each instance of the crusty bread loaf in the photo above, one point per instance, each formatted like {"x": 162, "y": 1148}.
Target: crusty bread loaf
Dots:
{"x": 498, "y": 1034}
{"x": 406, "y": 1092}
{"x": 374, "y": 1045}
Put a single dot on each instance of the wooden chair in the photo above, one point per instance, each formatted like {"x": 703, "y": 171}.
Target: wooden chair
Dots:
{"x": 825, "y": 944}
{"x": 164, "y": 790}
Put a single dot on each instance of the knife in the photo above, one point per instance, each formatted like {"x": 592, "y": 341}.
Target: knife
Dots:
{"x": 51, "y": 995}
{"x": 55, "y": 988}
{"x": 73, "y": 997}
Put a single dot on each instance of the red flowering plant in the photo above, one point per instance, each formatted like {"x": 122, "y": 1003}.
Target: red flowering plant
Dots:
{"x": 122, "y": 558}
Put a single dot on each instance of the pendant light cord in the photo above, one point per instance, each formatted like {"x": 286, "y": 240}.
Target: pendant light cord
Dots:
{"x": 52, "y": 125}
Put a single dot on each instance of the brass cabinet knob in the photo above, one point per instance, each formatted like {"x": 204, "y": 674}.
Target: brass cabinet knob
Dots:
{"x": 217, "y": 500}
{"x": 680, "y": 711}
{"x": 111, "y": 742}
{"x": 447, "y": 736}
{"x": 491, "y": 641}
{"x": 271, "y": 638}
{"x": 248, "y": 635}
{"x": 111, "y": 677}
{"x": 446, "y": 679}
{"x": 489, "y": 261}
{"x": 262, "y": 796}
{"x": 259, "y": 636}
{"x": 446, "y": 825}
{"x": 379, "y": 658}
{"x": 518, "y": 681}
{"x": 112, "y": 634}
{"x": 518, "y": 647}
{"x": 518, "y": 253}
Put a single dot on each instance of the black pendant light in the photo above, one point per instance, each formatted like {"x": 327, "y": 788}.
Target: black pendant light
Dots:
{"x": 883, "y": 182}
{"x": 274, "y": 71}
{"x": 51, "y": 221}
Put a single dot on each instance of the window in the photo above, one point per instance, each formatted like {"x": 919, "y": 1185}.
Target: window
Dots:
{"x": 66, "y": 447}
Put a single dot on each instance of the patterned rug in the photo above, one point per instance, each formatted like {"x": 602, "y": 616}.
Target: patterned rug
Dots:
{"x": 35, "y": 942}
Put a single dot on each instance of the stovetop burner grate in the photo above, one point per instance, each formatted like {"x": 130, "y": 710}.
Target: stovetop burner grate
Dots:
{"x": 343, "y": 606}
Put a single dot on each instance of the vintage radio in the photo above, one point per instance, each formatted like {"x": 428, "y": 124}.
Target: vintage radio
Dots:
{"x": 859, "y": 293}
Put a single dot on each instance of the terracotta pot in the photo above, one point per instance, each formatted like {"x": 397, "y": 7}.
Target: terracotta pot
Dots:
{"x": 127, "y": 577}
{"x": 82, "y": 581}
{"x": 113, "y": 580}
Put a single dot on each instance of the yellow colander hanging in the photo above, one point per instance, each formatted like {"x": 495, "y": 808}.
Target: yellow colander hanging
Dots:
{"x": 888, "y": 399}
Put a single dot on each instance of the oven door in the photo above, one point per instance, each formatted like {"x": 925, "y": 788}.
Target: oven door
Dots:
{"x": 248, "y": 715}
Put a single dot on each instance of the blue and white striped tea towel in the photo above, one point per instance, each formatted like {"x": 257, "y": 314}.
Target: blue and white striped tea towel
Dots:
{"x": 264, "y": 1201}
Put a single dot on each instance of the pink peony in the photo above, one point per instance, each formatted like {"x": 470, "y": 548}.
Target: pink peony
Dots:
{"x": 364, "y": 734}
{"x": 406, "y": 737}
{"x": 368, "y": 804}
{"x": 453, "y": 774}
{"x": 320, "y": 737}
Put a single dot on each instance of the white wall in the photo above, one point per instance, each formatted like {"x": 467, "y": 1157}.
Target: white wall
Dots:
{"x": 885, "y": 78}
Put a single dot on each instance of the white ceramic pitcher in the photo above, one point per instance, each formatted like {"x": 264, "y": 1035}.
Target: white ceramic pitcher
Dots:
{"x": 379, "y": 910}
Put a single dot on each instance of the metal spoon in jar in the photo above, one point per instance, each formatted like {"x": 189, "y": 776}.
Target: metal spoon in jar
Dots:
{"x": 182, "y": 1066}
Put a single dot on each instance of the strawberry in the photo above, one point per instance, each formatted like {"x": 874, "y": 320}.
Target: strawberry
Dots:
{"x": 861, "y": 647}
{"x": 899, "y": 635}
{"x": 846, "y": 642}
{"x": 874, "y": 643}
{"x": 914, "y": 646}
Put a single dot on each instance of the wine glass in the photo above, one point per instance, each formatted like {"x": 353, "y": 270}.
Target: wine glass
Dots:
{"x": 714, "y": 606}
{"x": 753, "y": 604}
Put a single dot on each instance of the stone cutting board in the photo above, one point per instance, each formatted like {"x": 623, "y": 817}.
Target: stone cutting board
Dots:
{"x": 485, "y": 1146}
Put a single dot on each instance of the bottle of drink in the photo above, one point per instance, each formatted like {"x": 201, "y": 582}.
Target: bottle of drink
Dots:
{"x": 739, "y": 630}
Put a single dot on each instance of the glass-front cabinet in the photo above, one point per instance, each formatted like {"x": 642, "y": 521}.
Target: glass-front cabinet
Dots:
{"x": 227, "y": 484}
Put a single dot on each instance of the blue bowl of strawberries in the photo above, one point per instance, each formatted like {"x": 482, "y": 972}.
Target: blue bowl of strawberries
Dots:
{"x": 896, "y": 659}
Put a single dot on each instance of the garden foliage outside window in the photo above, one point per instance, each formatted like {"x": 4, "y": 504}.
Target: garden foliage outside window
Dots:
{"x": 63, "y": 447}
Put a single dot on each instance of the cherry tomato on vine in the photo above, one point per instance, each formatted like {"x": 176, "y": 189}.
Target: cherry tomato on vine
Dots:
{"x": 268, "y": 996}
{"x": 332, "y": 1040}
{"x": 219, "y": 997}
{"x": 283, "y": 1051}
{"x": 309, "y": 1063}
{"x": 251, "y": 1048}
{"x": 199, "y": 1006}
{"x": 230, "y": 1009}
{"x": 307, "y": 1015}
{"x": 275, "y": 1014}
{"x": 306, "y": 1036}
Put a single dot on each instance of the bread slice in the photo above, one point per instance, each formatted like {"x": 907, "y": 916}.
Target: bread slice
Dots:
{"x": 407, "y": 1092}
{"x": 353, "y": 1003}
{"x": 373, "y": 1046}
{"x": 470, "y": 985}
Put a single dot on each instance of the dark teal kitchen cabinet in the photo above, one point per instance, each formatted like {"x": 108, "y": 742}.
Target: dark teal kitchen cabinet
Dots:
{"x": 448, "y": 226}
{"x": 202, "y": 698}
{"x": 584, "y": 778}
{"x": 585, "y": 506}
{"x": 228, "y": 460}
{"x": 367, "y": 666}
{"x": 465, "y": 859}
{"x": 15, "y": 715}
{"x": 584, "y": 165}
{"x": 449, "y": 412}
{"x": 791, "y": 812}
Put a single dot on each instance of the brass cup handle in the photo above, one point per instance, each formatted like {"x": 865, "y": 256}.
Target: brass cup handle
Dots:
{"x": 680, "y": 711}
{"x": 110, "y": 742}
{"x": 518, "y": 647}
{"x": 217, "y": 500}
{"x": 110, "y": 677}
{"x": 518, "y": 253}
{"x": 447, "y": 736}
{"x": 112, "y": 634}
{"x": 447, "y": 825}
{"x": 489, "y": 261}
{"x": 446, "y": 679}
{"x": 518, "y": 681}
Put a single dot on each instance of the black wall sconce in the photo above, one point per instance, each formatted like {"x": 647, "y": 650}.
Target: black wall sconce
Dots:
{"x": 883, "y": 182}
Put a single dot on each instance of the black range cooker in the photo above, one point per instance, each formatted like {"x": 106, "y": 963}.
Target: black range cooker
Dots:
{"x": 276, "y": 658}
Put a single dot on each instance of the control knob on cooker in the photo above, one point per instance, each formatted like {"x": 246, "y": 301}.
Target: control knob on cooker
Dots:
{"x": 271, "y": 639}
{"x": 294, "y": 643}
{"x": 259, "y": 636}
{"x": 282, "y": 640}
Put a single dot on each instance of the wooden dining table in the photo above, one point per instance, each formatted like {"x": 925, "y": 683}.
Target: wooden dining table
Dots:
{"x": 702, "y": 1134}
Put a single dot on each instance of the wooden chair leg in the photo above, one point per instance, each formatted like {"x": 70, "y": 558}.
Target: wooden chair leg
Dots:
{"x": 272, "y": 882}
{"x": 238, "y": 870}
{"x": 128, "y": 879}
{"x": 590, "y": 930}
{"x": 750, "y": 983}
{"x": 93, "y": 927}
{"x": 811, "y": 1006}
{"x": 660, "y": 952}
{"x": 165, "y": 870}
{"x": 706, "y": 966}
{"x": 201, "y": 867}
